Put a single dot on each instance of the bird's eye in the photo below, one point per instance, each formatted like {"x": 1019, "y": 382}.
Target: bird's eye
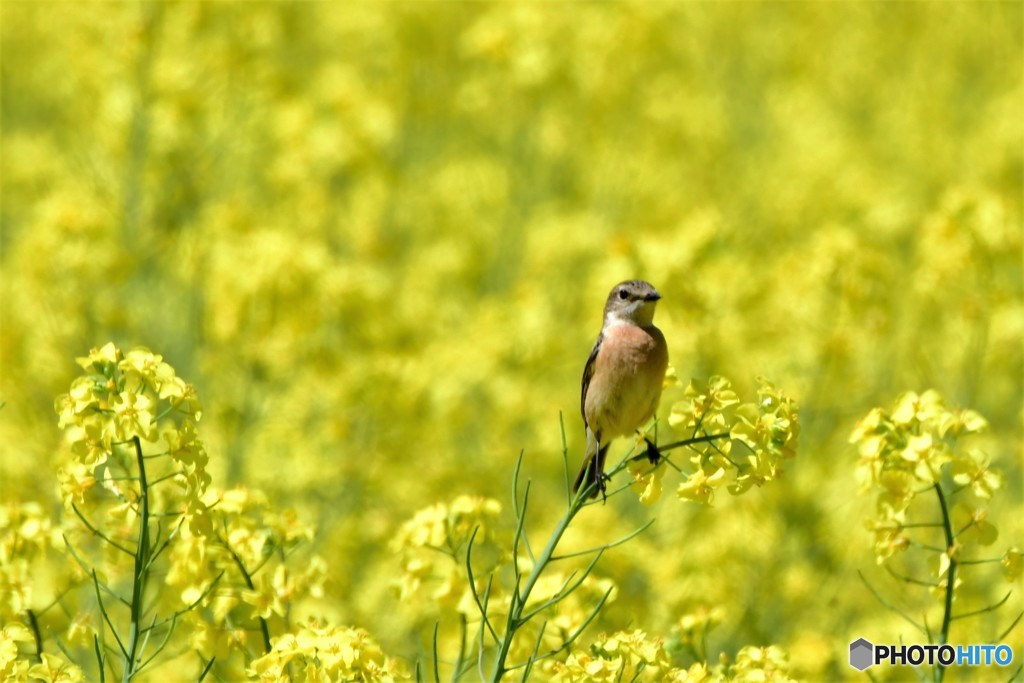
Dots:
{"x": 623, "y": 294}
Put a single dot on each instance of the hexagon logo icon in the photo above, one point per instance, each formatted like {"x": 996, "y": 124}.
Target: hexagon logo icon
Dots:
{"x": 861, "y": 654}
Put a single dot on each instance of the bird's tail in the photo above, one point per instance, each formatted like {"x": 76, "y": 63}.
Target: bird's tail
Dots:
{"x": 591, "y": 474}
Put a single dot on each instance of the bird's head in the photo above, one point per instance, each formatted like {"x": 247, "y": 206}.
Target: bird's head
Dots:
{"x": 631, "y": 302}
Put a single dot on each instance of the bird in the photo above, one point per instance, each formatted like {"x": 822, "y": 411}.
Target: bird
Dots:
{"x": 623, "y": 377}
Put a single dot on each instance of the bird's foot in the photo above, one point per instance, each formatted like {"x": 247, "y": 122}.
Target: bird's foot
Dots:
{"x": 653, "y": 454}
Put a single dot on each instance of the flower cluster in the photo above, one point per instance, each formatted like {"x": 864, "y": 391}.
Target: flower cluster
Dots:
{"x": 760, "y": 664}
{"x": 621, "y": 656}
{"x": 52, "y": 668}
{"x": 124, "y": 398}
{"x": 433, "y": 544}
{"x": 562, "y": 603}
{"x": 242, "y": 561}
{"x": 693, "y": 627}
{"x": 439, "y": 546}
{"x": 735, "y": 446}
{"x": 26, "y": 534}
{"x": 634, "y": 656}
{"x": 320, "y": 652}
{"x": 136, "y": 479}
{"x": 913, "y": 449}
{"x": 903, "y": 453}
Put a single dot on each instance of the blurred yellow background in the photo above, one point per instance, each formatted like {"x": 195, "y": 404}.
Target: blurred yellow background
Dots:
{"x": 377, "y": 237}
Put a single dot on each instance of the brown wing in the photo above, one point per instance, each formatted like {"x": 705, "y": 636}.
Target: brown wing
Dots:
{"x": 588, "y": 374}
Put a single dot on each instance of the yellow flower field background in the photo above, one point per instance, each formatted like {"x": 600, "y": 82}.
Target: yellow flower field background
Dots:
{"x": 366, "y": 246}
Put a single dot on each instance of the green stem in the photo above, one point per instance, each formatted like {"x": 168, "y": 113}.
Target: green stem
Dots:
{"x": 141, "y": 572}
{"x": 247, "y": 577}
{"x": 947, "y": 615}
{"x": 520, "y": 597}
{"x": 697, "y": 439}
{"x": 576, "y": 503}
{"x": 34, "y": 623}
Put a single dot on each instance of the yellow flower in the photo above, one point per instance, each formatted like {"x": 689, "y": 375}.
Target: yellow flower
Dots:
{"x": 970, "y": 525}
{"x": 973, "y": 470}
{"x": 890, "y": 538}
{"x": 329, "y": 653}
{"x": 621, "y": 656}
{"x": 1013, "y": 564}
{"x": 81, "y": 631}
{"x": 913, "y": 408}
{"x": 54, "y": 669}
{"x": 703, "y": 406}
{"x": 898, "y": 489}
{"x": 144, "y": 369}
{"x": 761, "y": 664}
{"x": 102, "y": 359}
{"x": 697, "y": 673}
{"x": 867, "y": 426}
{"x": 10, "y": 636}
{"x": 133, "y": 416}
{"x": 646, "y": 481}
{"x": 692, "y": 627}
{"x": 961, "y": 423}
{"x": 700, "y": 487}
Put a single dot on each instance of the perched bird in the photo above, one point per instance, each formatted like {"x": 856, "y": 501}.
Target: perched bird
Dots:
{"x": 623, "y": 377}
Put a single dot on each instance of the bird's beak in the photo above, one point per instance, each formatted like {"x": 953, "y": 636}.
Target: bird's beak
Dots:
{"x": 653, "y": 296}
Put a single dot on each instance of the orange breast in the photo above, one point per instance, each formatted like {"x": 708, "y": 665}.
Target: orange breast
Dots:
{"x": 626, "y": 386}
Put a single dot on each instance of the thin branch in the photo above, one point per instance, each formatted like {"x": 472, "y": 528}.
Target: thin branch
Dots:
{"x": 988, "y": 561}
{"x": 206, "y": 669}
{"x": 694, "y": 440}
{"x": 106, "y": 617}
{"x": 888, "y": 606}
{"x": 573, "y": 636}
{"x": 565, "y": 460}
{"x": 1012, "y": 626}
{"x": 565, "y": 592}
{"x": 188, "y": 608}
{"x": 97, "y": 532}
{"x": 910, "y": 579}
{"x": 163, "y": 643}
{"x": 99, "y": 657}
{"x": 86, "y": 569}
{"x": 437, "y": 674}
{"x": 247, "y": 577}
{"x": 460, "y": 661}
{"x": 481, "y": 605}
{"x": 932, "y": 548}
{"x": 515, "y": 487}
{"x": 148, "y": 631}
{"x": 990, "y": 608}
{"x": 533, "y": 653}
{"x": 520, "y": 532}
{"x": 555, "y": 598}
{"x": 169, "y": 475}
{"x": 167, "y": 541}
{"x": 601, "y": 548}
